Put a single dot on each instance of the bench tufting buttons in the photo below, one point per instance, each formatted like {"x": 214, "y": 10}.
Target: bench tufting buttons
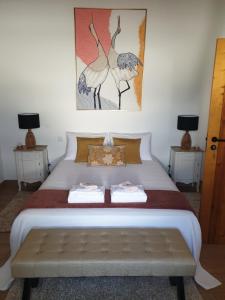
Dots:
{"x": 148, "y": 249}
{"x": 104, "y": 241}
{"x": 83, "y": 234}
{"x": 104, "y": 250}
{"x": 103, "y": 233}
{"x": 142, "y": 233}
{"x": 83, "y": 241}
{"x": 126, "y": 250}
{"x": 82, "y": 250}
{"x": 123, "y": 233}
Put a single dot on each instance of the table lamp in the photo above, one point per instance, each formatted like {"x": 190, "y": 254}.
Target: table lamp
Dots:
{"x": 187, "y": 123}
{"x": 29, "y": 121}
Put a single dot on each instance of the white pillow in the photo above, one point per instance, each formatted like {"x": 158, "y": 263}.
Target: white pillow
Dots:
{"x": 71, "y": 142}
{"x": 145, "y": 147}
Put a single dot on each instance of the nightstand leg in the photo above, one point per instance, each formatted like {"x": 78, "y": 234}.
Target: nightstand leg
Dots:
{"x": 198, "y": 186}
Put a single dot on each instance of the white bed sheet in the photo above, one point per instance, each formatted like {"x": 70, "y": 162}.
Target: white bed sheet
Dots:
{"x": 150, "y": 174}
{"x": 68, "y": 173}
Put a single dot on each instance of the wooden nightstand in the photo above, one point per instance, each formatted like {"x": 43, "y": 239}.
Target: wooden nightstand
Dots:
{"x": 185, "y": 165}
{"x": 31, "y": 164}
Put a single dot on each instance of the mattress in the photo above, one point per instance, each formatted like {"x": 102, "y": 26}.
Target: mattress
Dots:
{"x": 149, "y": 173}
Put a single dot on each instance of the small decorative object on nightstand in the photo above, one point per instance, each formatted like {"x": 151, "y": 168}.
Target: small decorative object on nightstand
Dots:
{"x": 185, "y": 165}
{"x": 31, "y": 164}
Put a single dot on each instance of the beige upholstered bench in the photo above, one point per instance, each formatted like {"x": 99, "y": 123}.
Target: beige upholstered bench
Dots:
{"x": 103, "y": 252}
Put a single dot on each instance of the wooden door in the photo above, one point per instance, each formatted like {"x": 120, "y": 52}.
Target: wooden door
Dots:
{"x": 217, "y": 225}
{"x": 212, "y": 208}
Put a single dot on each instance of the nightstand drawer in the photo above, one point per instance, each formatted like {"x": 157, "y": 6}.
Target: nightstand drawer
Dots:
{"x": 185, "y": 156}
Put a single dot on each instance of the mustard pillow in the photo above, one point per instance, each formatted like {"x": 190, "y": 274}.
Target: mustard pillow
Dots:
{"x": 132, "y": 149}
{"x": 82, "y": 147}
{"x": 106, "y": 155}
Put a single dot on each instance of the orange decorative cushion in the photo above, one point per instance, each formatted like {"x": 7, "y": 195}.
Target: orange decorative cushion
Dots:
{"x": 82, "y": 147}
{"x": 106, "y": 155}
{"x": 132, "y": 149}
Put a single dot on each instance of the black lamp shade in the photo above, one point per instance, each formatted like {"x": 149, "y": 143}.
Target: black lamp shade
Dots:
{"x": 28, "y": 121}
{"x": 187, "y": 122}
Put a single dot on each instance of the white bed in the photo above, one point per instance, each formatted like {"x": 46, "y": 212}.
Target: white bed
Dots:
{"x": 149, "y": 173}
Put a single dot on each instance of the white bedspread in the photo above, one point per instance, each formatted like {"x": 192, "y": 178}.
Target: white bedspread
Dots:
{"x": 68, "y": 173}
{"x": 150, "y": 174}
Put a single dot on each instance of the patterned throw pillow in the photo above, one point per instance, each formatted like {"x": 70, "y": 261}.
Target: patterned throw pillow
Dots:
{"x": 106, "y": 155}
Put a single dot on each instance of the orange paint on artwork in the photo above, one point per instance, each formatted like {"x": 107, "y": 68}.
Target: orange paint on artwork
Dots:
{"x": 86, "y": 48}
{"x": 138, "y": 79}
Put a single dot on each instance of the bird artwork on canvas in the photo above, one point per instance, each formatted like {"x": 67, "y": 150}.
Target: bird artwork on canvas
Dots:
{"x": 108, "y": 77}
{"x": 122, "y": 66}
{"x": 95, "y": 73}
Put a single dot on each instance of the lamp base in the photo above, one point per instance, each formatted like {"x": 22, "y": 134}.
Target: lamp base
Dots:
{"x": 30, "y": 141}
{"x": 186, "y": 141}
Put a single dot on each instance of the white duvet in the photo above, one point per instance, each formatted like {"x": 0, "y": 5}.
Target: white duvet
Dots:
{"x": 150, "y": 174}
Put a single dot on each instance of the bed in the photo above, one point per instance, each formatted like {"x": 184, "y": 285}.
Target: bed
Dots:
{"x": 150, "y": 174}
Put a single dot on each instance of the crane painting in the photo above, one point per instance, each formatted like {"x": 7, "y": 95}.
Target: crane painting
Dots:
{"x": 109, "y": 51}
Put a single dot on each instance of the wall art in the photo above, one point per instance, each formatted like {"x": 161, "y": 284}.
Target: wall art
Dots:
{"x": 109, "y": 53}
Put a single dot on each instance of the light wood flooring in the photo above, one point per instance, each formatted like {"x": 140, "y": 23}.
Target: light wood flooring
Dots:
{"x": 212, "y": 256}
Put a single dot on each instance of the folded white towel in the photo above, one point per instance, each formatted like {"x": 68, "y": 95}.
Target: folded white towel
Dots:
{"x": 126, "y": 192}
{"x": 87, "y": 187}
{"x": 86, "y": 193}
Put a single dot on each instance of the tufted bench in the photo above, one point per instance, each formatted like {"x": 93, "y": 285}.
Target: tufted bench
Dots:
{"x": 103, "y": 252}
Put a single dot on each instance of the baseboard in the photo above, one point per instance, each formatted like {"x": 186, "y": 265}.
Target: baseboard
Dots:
{"x": 8, "y": 181}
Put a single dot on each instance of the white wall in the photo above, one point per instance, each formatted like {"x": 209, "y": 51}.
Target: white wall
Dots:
{"x": 1, "y": 168}
{"x": 37, "y": 72}
{"x": 221, "y": 26}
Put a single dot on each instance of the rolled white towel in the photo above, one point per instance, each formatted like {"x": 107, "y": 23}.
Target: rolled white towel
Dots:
{"x": 85, "y": 193}
{"x": 127, "y": 192}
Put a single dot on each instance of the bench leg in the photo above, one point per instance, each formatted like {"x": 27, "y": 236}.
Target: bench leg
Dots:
{"x": 178, "y": 281}
{"x": 28, "y": 283}
{"x": 26, "y": 289}
{"x": 173, "y": 281}
{"x": 34, "y": 282}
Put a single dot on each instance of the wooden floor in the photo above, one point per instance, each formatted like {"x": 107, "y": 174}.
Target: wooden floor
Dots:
{"x": 8, "y": 190}
{"x": 212, "y": 256}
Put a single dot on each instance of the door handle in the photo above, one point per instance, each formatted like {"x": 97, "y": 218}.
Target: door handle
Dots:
{"x": 215, "y": 139}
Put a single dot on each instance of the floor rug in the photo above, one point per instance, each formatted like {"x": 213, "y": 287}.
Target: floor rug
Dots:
{"x": 8, "y": 214}
{"x": 105, "y": 288}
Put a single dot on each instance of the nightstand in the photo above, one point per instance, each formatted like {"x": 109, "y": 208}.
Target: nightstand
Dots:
{"x": 31, "y": 164}
{"x": 185, "y": 165}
